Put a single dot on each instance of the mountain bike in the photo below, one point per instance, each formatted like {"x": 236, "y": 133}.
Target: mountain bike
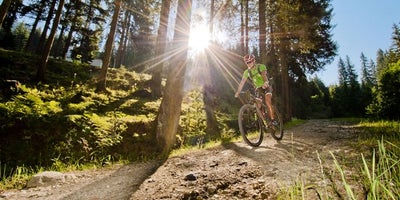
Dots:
{"x": 254, "y": 119}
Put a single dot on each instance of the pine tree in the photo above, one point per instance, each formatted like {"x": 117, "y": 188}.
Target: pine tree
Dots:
{"x": 101, "y": 82}
{"x": 160, "y": 48}
{"x": 342, "y": 73}
{"x": 170, "y": 108}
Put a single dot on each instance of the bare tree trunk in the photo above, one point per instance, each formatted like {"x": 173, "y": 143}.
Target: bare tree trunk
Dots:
{"x": 101, "y": 81}
{"x": 3, "y": 10}
{"x": 209, "y": 94}
{"x": 35, "y": 23}
{"x": 246, "y": 22}
{"x": 124, "y": 31}
{"x": 46, "y": 51}
{"x": 69, "y": 37}
{"x": 170, "y": 108}
{"x": 160, "y": 48}
{"x": 42, "y": 40}
{"x": 242, "y": 27}
{"x": 60, "y": 40}
{"x": 126, "y": 42}
{"x": 285, "y": 81}
{"x": 262, "y": 30}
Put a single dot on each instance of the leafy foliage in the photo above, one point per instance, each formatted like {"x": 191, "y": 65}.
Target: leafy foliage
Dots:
{"x": 193, "y": 120}
{"x": 387, "y": 99}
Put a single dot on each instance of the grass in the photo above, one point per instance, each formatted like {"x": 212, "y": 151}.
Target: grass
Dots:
{"x": 18, "y": 178}
{"x": 379, "y": 172}
{"x": 382, "y": 175}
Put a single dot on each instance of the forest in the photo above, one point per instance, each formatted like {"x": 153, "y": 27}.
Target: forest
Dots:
{"x": 154, "y": 90}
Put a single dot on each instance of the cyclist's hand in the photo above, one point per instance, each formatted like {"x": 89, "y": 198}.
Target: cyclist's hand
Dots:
{"x": 265, "y": 85}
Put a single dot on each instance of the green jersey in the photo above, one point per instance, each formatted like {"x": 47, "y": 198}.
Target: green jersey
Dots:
{"x": 255, "y": 74}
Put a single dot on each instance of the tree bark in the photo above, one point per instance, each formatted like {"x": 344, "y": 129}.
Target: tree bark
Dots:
{"x": 242, "y": 27}
{"x": 101, "y": 81}
{"x": 35, "y": 23}
{"x": 209, "y": 94}
{"x": 170, "y": 108}
{"x": 69, "y": 37}
{"x": 246, "y": 27}
{"x": 262, "y": 31}
{"x": 124, "y": 31}
{"x": 3, "y": 10}
{"x": 160, "y": 48}
{"x": 285, "y": 80}
{"x": 42, "y": 40}
{"x": 46, "y": 51}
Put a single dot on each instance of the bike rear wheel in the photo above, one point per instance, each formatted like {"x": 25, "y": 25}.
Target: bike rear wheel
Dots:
{"x": 277, "y": 129}
{"x": 250, "y": 125}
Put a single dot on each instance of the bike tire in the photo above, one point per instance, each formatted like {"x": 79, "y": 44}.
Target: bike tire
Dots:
{"x": 277, "y": 130}
{"x": 250, "y": 125}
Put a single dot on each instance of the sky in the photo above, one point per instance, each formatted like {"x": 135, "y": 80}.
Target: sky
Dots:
{"x": 361, "y": 26}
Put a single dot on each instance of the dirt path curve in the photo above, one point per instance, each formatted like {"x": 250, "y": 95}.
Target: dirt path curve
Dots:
{"x": 233, "y": 171}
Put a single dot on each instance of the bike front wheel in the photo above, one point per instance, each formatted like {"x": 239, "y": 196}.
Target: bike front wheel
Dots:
{"x": 250, "y": 125}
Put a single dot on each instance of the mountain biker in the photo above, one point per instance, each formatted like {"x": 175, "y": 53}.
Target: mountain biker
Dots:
{"x": 258, "y": 75}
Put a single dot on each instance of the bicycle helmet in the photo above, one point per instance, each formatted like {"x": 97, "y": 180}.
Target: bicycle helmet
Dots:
{"x": 249, "y": 58}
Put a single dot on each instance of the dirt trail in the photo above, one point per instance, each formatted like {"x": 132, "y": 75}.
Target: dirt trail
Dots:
{"x": 233, "y": 171}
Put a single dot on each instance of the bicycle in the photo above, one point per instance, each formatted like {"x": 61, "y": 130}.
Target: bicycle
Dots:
{"x": 253, "y": 123}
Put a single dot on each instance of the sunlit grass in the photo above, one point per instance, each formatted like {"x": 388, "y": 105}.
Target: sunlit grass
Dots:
{"x": 382, "y": 175}
{"x": 379, "y": 172}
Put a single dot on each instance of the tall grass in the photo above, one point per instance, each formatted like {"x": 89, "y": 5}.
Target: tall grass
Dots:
{"x": 382, "y": 175}
{"x": 379, "y": 172}
{"x": 17, "y": 178}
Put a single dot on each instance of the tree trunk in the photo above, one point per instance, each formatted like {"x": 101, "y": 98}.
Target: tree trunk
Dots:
{"x": 285, "y": 81}
{"x": 209, "y": 94}
{"x": 101, "y": 81}
{"x": 60, "y": 40}
{"x": 246, "y": 27}
{"x": 170, "y": 108}
{"x": 46, "y": 51}
{"x": 160, "y": 48}
{"x": 124, "y": 31}
{"x": 69, "y": 37}
{"x": 242, "y": 36}
{"x": 3, "y": 10}
{"x": 35, "y": 23}
{"x": 126, "y": 41}
{"x": 42, "y": 40}
{"x": 262, "y": 31}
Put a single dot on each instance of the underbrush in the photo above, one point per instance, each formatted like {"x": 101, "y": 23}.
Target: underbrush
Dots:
{"x": 377, "y": 169}
{"x": 63, "y": 124}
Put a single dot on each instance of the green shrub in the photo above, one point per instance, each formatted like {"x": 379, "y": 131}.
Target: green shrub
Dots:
{"x": 193, "y": 119}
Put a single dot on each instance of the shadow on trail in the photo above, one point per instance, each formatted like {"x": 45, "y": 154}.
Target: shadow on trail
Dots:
{"x": 119, "y": 185}
{"x": 260, "y": 154}
{"x": 271, "y": 152}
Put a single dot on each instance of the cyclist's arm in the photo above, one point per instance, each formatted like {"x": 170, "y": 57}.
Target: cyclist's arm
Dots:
{"x": 264, "y": 75}
{"x": 240, "y": 87}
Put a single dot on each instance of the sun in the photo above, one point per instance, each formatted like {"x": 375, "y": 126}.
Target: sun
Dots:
{"x": 199, "y": 38}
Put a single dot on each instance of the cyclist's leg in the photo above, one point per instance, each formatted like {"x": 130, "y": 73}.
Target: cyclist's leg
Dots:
{"x": 268, "y": 102}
